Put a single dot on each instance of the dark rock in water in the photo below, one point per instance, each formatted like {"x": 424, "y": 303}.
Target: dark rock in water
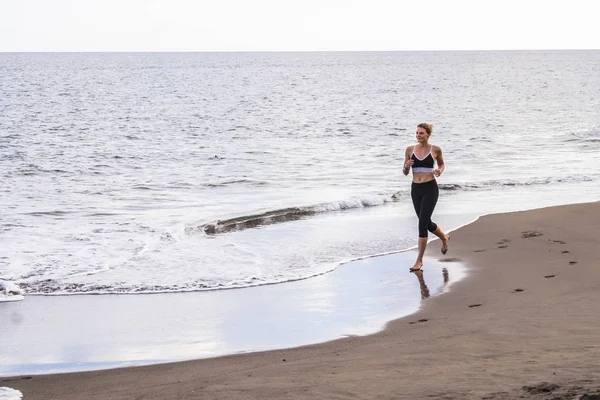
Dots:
{"x": 253, "y": 221}
{"x": 397, "y": 196}
{"x": 210, "y": 229}
{"x": 590, "y": 397}
{"x": 449, "y": 186}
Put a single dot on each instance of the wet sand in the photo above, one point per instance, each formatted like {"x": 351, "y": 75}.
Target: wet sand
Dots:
{"x": 523, "y": 324}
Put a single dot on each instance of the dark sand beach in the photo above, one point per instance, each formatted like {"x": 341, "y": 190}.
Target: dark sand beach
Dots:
{"x": 524, "y": 323}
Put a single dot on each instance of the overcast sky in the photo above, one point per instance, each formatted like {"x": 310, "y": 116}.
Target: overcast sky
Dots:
{"x": 296, "y": 25}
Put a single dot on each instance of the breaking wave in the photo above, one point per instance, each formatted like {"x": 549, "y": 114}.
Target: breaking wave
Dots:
{"x": 296, "y": 213}
{"x": 293, "y": 213}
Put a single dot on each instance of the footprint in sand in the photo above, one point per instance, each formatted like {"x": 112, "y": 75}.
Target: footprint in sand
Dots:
{"x": 530, "y": 234}
{"x": 549, "y": 276}
{"x": 474, "y": 305}
{"x": 542, "y": 388}
{"x": 503, "y": 241}
{"x": 421, "y": 320}
{"x": 559, "y": 241}
{"x": 497, "y": 395}
{"x": 479, "y": 251}
{"x": 503, "y": 246}
{"x": 518, "y": 290}
{"x": 572, "y": 262}
{"x": 565, "y": 251}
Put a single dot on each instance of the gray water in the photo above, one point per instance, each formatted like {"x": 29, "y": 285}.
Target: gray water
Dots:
{"x": 118, "y": 167}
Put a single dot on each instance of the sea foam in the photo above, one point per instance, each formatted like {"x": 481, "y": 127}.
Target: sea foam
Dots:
{"x": 7, "y": 393}
{"x": 10, "y": 291}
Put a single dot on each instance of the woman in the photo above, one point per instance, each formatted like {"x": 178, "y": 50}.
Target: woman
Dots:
{"x": 424, "y": 191}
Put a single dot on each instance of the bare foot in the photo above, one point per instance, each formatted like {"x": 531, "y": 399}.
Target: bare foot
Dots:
{"x": 445, "y": 244}
{"x": 416, "y": 267}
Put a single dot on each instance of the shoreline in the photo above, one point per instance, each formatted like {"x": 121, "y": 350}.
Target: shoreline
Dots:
{"x": 357, "y": 298}
{"x": 523, "y": 322}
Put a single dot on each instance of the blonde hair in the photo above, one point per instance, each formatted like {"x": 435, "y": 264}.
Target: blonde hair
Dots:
{"x": 428, "y": 127}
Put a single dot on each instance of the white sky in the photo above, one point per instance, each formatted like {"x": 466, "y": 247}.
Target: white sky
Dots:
{"x": 296, "y": 25}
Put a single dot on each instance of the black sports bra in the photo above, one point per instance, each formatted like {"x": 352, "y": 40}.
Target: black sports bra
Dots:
{"x": 423, "y": 164}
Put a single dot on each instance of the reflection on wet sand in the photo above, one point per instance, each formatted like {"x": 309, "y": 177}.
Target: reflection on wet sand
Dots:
{"x": 424, "y": 289}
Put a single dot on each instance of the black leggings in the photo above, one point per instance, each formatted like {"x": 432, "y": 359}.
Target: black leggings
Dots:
{"x": 424, "y": 197}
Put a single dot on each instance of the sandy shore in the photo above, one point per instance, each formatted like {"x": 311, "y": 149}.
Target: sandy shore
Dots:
{"x": 525, "y": 323}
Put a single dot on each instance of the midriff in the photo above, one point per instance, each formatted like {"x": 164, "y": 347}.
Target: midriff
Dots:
{"x": 422, "y": 177}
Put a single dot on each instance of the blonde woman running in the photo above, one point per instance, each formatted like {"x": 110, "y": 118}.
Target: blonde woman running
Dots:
{"x": 420, "y": 157}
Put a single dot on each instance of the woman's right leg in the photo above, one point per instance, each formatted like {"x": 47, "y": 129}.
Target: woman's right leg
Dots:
{"x": 416, "y": 195}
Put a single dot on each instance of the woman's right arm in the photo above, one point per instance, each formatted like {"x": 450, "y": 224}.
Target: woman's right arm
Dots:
{"x": 408, "y": 162}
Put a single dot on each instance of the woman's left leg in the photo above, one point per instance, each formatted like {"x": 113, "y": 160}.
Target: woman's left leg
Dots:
{"x": 428, "y": 202}
{"x": 427, "y": 206}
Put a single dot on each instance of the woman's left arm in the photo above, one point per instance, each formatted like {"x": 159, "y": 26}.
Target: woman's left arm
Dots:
{"x": 439, "y": 158}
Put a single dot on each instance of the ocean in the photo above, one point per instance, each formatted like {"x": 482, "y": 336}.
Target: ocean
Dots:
{"x": 173, "y": 172}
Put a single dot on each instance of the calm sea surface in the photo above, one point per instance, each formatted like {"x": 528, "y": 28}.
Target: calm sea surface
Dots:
{"x": 127, "y": 173}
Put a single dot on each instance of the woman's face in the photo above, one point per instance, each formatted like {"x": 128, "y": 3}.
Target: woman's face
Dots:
{"x": 422, "y": 135}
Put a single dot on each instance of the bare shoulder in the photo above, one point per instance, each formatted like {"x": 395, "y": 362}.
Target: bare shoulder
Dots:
{"x": 410, "y": 149}
{"x": 436, "y": 149}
